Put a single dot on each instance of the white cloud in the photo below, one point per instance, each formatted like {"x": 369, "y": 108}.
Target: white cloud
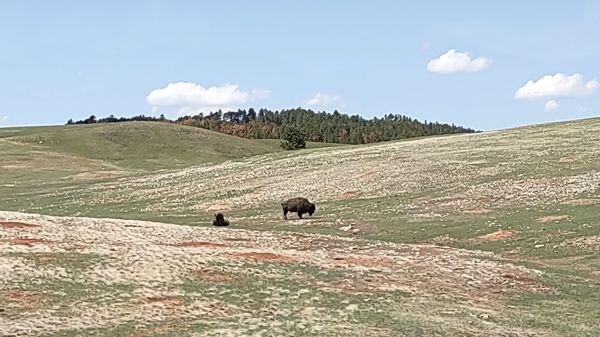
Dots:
{"x": 187, "y": 97}
{"x": 557, "y": 85}
{"x": 323, "y": 100}
{"x": 3, "y": 119}
{"x": 551, "y": 106}
{"x": 454, "y": 62}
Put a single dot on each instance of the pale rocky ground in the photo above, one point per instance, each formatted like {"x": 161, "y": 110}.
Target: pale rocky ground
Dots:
{"x": 492, "y": 170}
{"x": 65, "y": 274}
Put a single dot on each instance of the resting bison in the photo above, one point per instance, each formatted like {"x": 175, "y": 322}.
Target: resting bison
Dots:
{"x": 220, "y": 220}
{"x": 298, "y": 205}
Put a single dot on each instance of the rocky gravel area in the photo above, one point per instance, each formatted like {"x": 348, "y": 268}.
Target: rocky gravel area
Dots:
{"x": 65, "y": 273}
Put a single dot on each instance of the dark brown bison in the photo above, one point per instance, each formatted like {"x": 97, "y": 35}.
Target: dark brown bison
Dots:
{"x": 220, "y": 220}
{"x": 298, "y": 205}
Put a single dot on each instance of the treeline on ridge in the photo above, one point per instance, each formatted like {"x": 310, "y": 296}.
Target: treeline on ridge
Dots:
{"x": 317, "y": 126}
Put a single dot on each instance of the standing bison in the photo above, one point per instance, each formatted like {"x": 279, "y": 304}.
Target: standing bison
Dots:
{"x": 298, "y": 205}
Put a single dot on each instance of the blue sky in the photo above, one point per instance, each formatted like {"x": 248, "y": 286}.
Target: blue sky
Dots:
{"x": 71, "y": 59}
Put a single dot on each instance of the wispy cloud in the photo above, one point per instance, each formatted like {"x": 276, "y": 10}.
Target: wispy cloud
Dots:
{"x": 551, "y": 106}
{"x": 323, "y": 100}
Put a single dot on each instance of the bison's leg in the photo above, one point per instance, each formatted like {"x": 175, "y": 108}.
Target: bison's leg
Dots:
{"x": 300, "y": 215}
{"x": 285, "y": 212}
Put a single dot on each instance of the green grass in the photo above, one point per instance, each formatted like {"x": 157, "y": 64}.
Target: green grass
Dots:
{"x": 447, "y": 191}
{"x": 137, "y": 145}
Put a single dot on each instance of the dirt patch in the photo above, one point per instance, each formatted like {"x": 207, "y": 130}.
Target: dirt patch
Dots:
{"x": 267, "y": 257}
{"x": 499, "y": 235}
{"x": 364, "y": 262}
{"x": 350, "y": 194}
{"x": 582, "y": 202}
{"x": 202, "y": 244}
{"x": 27, "y": 242}
{"x": 212, "y": 275}
{"x": 552, "y": 218}
{"x": 237, "y": 239}
{"x": 19, "y": 225}
{"x": 170, "y": 301}
{"x": 26, "y": 300}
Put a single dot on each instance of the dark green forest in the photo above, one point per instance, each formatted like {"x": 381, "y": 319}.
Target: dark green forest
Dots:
{"x": 317, "y": 126}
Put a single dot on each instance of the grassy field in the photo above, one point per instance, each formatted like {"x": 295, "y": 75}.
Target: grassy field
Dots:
{"x": 489, "y": 234}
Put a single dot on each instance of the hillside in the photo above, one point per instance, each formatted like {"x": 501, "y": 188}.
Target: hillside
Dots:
{"x": 493, "y": 234}
{"x": 136, "y": 145}
{"x": 317, "y": 126}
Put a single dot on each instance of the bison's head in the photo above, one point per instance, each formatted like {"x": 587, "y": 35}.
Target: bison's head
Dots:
{"x": 312, "y": 209}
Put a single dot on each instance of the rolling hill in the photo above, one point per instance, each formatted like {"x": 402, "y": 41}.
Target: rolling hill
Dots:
{"x": 136, "y": 145}
{"x": 494, "y": 234}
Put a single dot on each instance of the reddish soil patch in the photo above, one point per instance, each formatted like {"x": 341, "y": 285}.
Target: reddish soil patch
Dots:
{"x": 365, "y": 261}
{"x": 27, "y": 241}
{"x": 166, "y": 300}
{"x": 520, "y": 282}
{"x": 552, "y": 218}
{"x": 26, "y": 300}
{"x": 19, "y": 225}
{"x": 499, "y": 235}
{"x": 202, "y": 244}
{"x": 236, "y": 239}
{"x": 269, "y": 257}
{"x": 350, "y": 194}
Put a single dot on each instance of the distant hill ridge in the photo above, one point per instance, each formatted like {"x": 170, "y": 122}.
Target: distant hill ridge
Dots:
{"x": 318, "y": 126}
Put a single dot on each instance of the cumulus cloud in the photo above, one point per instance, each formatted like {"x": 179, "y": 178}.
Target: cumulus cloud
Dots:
{"x": 323, "y": 100}
{"x": 187, "y": 97}
{"x": 551, "y": 106}
{"x": 454, "y": 62}
{"x": 557, "y": 85}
